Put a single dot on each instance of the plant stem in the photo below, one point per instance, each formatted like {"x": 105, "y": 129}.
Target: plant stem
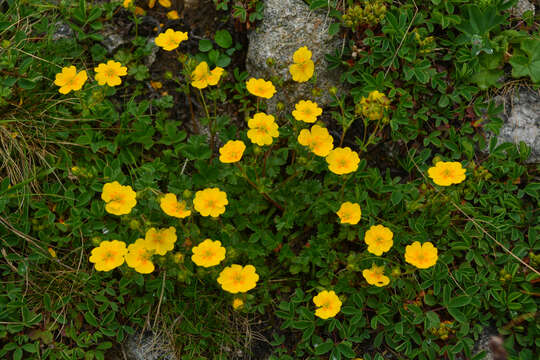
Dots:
{"x": 266, "y": 196}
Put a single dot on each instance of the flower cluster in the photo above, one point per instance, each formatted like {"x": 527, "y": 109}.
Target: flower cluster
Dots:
{"x": 374, "y": 106}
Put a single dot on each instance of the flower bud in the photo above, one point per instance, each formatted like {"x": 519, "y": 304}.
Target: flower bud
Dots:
{"x": 187, "y": 194}
{"x": 280, "y": 106}
{"x": 333, "y": 90}
{"x": 134, "y": 224}
{"x": 168, "y": 75}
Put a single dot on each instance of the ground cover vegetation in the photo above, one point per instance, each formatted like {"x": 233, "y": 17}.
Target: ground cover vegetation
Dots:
{"x": 166, "y": 196}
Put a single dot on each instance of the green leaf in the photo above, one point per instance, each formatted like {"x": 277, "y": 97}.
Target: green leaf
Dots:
{"x": 527, "y": 61}
{"x": 224, "y": 39}
{"x": 458, "y": 315}
{"x": 346, "y": 350}
{"x": 205, "y": 45}
{"x": 91, "y": 319}
{"x": 323, "y": 348}
{"x": 459, "y": 301}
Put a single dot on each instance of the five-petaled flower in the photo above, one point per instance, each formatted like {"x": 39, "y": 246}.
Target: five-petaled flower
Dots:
{"x": 422, "y": 256}
{"x": 306, "y": 111}
{"x": 160, "y": 240}
{"x": 170, "y": 39}
{"x": 110, "y": 73}
{"x": 108, "y": 255}
{"x": 318, "y": 139}
{"x": 201, "y": 77}
{"x": 172, "y": 207}
{"x": 236, "y": 278}
{"x": 262, "y": 129}
{"x": 208, "y": 253}
{"x": 328, "y": 304}
{"x": 446, "y": 173}
{"x": 374, "y": 106}
{"x": 342, "y": 161}
{"x": 375, "y": 276}
{"x": 69, "y": 79}
{"x": 260, "y": 88}
{"x": 139, "y": 257}
{"x": 349, "y": 213}
{"x": 119, "y": 199}
{"x": 210, "y": 202}
{"x": 379, "y": 239}
{"x": 232, "y": 151}
{"x": 303, "y": 67}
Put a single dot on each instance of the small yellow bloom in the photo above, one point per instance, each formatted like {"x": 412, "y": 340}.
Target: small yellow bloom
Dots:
{"x": 210, "y": 202}
{"x": 160, "y": 240}
{"x": 173, "y": 15}
{"x": 170, "y": 39}
{"x": 342, "y": 161}
{"x": 139, "y": 11}
{"x": 375, "y": 276}
{"x": 349, "y": 213}
{"x": 165, "y": 3}
{"x": 237, "y": 303}
{"x": 374, "y": 106}
{"x": 69, "y": 79}
{"x": 202, "y": 76}
{"x": 172, "y": 207}
{"x": 262, "y": 129}
{"x": 127, "y": 3}
{"x": 236, "y": 278}
{"x": 139, "y": 257}
{"x": 447, "y": 173}
{"x": 232, "y": 151}
{"x": 52, "y": 252}
{"x": 208, "y": 253}
{"x": 110, "y": 73}
{"x": 156, "y": 84}
{"x": 328, "y": 304}
{"x": 260, "y": 88}
{"x": 151, "y": 3}
{"x": 421, "y": 256}
{"x": 379, "y": 239}
{"x": 306, "y": 111}
{"x": 178, "y": 258}
{"x": 303, "y": 67}
{"x": 108, "y": 255}
{"x": 120, "y": 199}
{"x": 318, "y": 139}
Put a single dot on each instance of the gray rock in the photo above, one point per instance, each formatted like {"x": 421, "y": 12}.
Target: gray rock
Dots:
{"x": 148, "y": 346}
{"x": 286, "y": 26}
{"x": 112, "y": 39}
{"x": 63, "y": 31}
{"x": 521, "y": 7}
{"x": 491, "y": 343}
{"x": 521, "y": 117}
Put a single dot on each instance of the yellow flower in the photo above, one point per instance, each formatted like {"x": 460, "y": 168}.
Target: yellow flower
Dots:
{"x": 120, "y": 199}
{"x": 421, "y": 256}
{"x": 165, "y": 3}
{"x": 173, "y": 15}
{"x": 379, "y": 239}
{"x": 260, "y": 88}
{"x": 237, "y": 303}
{"x": 306, "y": 111}
{"x": 127, "y": 3}
{"x": 170, "y": 39}
{"x": 110, "y": 73}
{"x": 349, "y": 213}
{"x": 202, "y": 76}
{"x": 156, "y": 84}
{"x": 108, "y": 255}
{"x": 172, "y": 207}
{"x": 342, "y": 161}
{"x": 160, "y": 240}
{"x": 151, "y": 3}
{"x": 210, "y": 202}
{"x": 262, "y": 129}
{"x": 232, "y": 151}
{"x": 139, "y": 257}
{"x": 318, "y": 139}
{"x": 139, "y": 10}
{"x": 375, "y": 276}
{"x": 69, "y": 79}
{"x": 328, "y": 304}
{"x": 52, "y": 252}
{"x": 374, "y": 106}
{"x": 447, "y": 173}
{"x": 303, "y": 67}
{"x": 236, "y": 278}
{"x": 208, "y": 253}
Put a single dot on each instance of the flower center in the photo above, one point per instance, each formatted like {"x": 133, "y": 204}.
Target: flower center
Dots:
{"x": 211, "y": 204}
{"x": 238, "y": 278}
{"x": 110, "y": 73}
